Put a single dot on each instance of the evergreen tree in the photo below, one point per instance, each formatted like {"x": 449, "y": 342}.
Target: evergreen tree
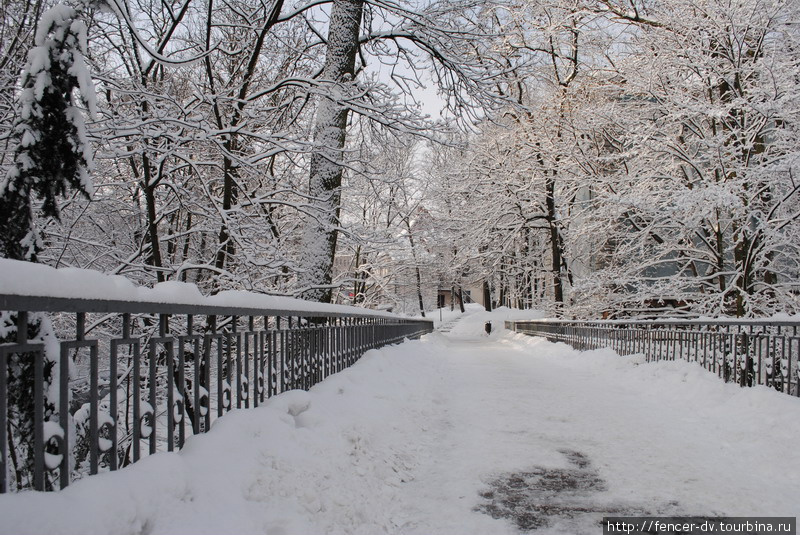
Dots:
{"x": 52, "y": 153}
{"x": 52, "y": 156}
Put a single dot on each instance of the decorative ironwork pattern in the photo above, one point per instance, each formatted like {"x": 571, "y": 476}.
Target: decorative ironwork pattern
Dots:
{"x": 137, "y": 378}
{"x": 744, "y": 352}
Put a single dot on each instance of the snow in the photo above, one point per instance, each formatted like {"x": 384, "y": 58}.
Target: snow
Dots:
{"x": 473, "y": 324}
{"x": 37, "y": 280}
{"x": 407, "y": 440}
{"x": 475, "y": 316}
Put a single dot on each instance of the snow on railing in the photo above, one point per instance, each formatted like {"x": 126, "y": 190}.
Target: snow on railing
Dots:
{"x": 747, "y": 352}
{"x": 118, "y": 372}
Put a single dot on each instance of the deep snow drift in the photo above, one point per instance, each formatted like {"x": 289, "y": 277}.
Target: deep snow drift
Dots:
{"x": 459, "y": 434}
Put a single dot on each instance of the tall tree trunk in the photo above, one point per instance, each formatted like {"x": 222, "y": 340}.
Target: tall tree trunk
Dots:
{"x": 555, "y": 242}
{"x": 149, "y": 185}
{"x": 230, "y": 193}
{"x": 417, "y": 271}
{"x": 226, "y": 248}
{"x": 325, "y": 181}
{"x": 186, "y": 243}
{"x": 487, "y": 296}
{"x": 527, "y": 280}
{"x": 501, "y": 297}
{"x": 419, "y": 290}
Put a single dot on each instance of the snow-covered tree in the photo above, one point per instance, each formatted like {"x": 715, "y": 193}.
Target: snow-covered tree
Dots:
{"x": 652, "y": 146}
{"x": 703, "y": 206}
{"x": 51, "y": 157}
{"x": 319, "y": 239}
{"x": 17, "y": 27}
{"x": 52, "y": 152}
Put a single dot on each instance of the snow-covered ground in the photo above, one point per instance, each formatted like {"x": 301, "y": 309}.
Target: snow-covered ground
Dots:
{"x": 471, "y": 322}
{"x": 458, "y": 434}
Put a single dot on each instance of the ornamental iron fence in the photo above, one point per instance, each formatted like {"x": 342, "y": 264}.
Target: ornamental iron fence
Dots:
{"x": 115, "y": 381}
{"x": 745, "y": 352}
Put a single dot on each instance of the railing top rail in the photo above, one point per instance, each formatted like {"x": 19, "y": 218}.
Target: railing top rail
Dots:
{"x": 25, "y": 286}
{"x": 697, "y": 321}
{"x": 36, "y": 303}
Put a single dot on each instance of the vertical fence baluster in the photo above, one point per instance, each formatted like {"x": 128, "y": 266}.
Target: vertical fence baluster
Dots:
{"x": 352, "y": 332}
{"x": 206, "y": 368}
{"x": 290, "y": 353}
{"x": 38, "y": 404}
{"x": 137, "y": 425}
{"x": 796, "y": 364}
{"x": 335, "y": 345}
{"x": 323, "y": 350}
{"x": 3, "y": 421}
{"x": 326, "y": 363}
{"x": 245, "y": 355}
{"x": 739, "y": 357}
{"x": 63, "y": 413}
{"x": 162, "y": 332}
{"x": 343, "y": 341}
{"x": 171, "y": 400}
{"x": 114, "y": 402}
{"x": 285, "y": 371}
{"x": 272, "y": 363}
{"x": 300, "y": 344}
{"x": 287, "y": 348}
{"x": 313, "y": 350}
{"x": 763, "y": 353}
{"x": 305, "y": 365}
{"x": 181, "y": 380}
{"x": 197, "y": 370}
{"x": 94, "y": 435}
{"x": 704, "y": 345}
{"x": 308, "y": 369}
{"x": 257, "y": 347}
{"x": 234, "y": 381}
{"x": 224, "y": 388}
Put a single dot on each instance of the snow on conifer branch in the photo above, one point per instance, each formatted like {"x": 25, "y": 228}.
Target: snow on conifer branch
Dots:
{"x": 53, "y": 153}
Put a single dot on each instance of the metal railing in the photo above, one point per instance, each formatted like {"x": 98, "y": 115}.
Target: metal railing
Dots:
{"x": 134, "y": 378}
{"x": 745, "y": 352}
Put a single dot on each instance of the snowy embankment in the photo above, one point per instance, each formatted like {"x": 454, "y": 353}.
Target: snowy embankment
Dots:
{"x": 428, "y": 436}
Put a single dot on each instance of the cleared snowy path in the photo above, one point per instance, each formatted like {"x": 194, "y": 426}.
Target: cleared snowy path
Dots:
{"x": 457, "y": 434}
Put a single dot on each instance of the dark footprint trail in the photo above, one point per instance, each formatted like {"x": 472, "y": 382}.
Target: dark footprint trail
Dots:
{"x": 540, "y": 497}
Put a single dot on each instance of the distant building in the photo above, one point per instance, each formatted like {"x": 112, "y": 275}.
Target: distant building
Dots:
{"x": 472, "y": 293}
